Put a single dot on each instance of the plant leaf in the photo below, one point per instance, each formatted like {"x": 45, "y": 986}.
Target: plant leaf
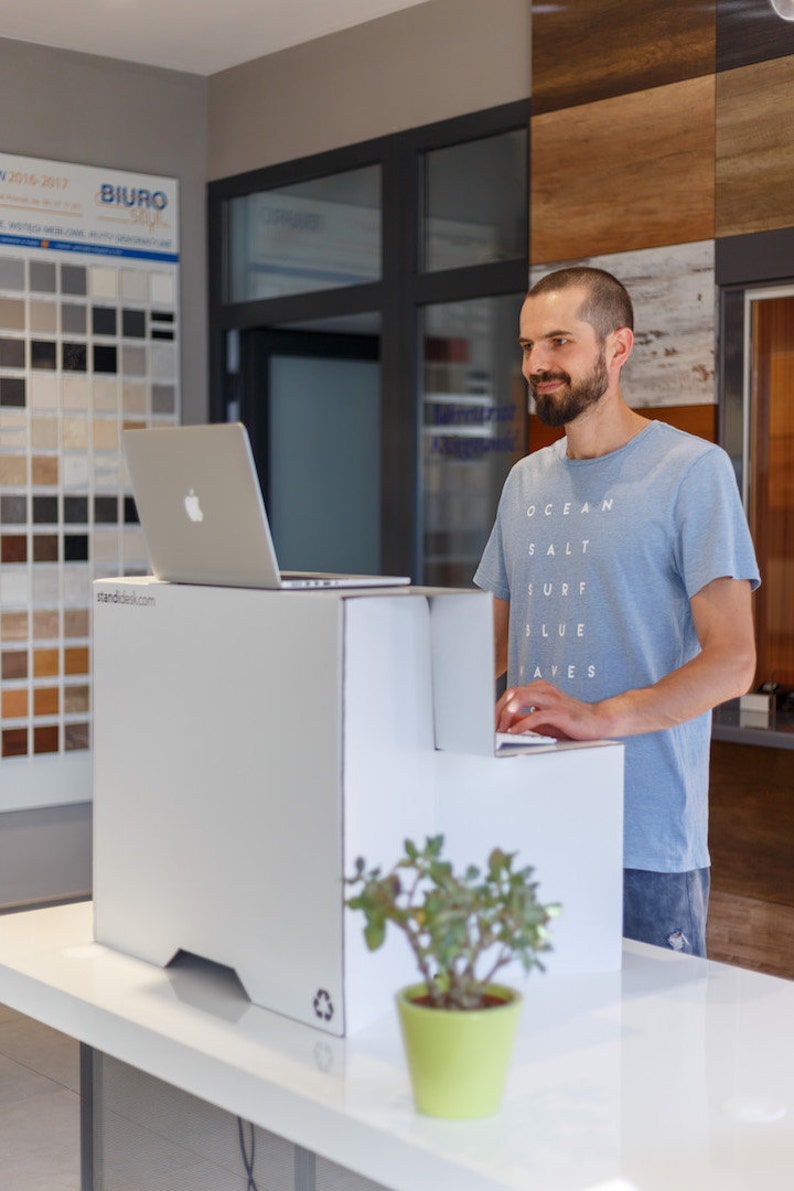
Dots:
{"x": 374, "y": 933}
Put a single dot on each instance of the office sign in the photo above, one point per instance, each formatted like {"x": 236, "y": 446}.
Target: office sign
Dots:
{"x": 61, "y": 207}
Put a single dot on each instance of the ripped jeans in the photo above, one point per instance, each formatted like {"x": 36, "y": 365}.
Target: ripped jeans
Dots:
{"x": 667, "y": 909}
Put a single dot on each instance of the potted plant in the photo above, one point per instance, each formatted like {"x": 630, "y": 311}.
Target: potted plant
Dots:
{"x": 458, "y": 1026}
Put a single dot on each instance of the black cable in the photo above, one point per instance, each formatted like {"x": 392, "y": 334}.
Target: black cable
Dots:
{"x": 248, "y": 1163}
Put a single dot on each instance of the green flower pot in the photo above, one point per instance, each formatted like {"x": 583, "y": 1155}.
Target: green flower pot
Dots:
{"x": 458, "y": 1059}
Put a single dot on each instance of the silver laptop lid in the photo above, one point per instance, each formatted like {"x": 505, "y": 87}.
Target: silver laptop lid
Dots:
{"x": 202, "y": 513}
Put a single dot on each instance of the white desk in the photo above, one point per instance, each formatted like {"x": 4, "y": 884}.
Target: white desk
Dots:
{"x": 676, "y": 1073}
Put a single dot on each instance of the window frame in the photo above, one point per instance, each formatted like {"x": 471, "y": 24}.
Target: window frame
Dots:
{"x": 397, "y": 298}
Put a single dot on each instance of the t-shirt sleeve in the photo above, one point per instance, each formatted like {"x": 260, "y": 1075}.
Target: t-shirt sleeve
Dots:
{"x": 713, "y": 536}
{"x": 492, "y": 573}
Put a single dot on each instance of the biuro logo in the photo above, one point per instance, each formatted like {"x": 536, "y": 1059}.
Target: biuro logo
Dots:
{"x": 137, "y": 197}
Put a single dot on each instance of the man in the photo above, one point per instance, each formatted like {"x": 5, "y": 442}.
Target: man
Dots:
{"x": 622, "y": 567}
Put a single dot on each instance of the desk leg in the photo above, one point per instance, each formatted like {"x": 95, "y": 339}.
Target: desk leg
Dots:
{"x": 305, "y": 1170}
{"x": 119, "y": 1102}
{"x": 87, "y": 1073}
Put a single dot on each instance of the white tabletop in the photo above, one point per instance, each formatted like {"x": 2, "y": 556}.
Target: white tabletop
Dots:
{"x": 675, "y": 1075}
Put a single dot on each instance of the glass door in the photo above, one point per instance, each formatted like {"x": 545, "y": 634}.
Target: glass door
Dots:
{"x": 474, "y": 413}
{"x": 769, "y": 472}
{"x": 324, "y": 476}
{"x": 311, "y": 401}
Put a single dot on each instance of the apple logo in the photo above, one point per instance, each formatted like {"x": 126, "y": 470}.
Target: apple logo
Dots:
{"x": 192, "y": 507}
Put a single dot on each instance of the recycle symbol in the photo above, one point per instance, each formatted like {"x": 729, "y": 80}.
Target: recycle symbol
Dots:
{"x": 323, "y": 1005}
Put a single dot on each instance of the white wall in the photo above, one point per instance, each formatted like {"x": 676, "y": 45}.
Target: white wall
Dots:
{"x": 426, "y": 63}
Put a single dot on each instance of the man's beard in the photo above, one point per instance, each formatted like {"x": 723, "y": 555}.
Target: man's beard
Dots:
{"x": 557, "y": 409}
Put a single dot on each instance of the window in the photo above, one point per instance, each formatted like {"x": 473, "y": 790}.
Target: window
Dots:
{"x": 410, "y": 251}
{"x": 473, "y": 428}
{"x": 312, "y": 235}
{"x": 474, "y": 202}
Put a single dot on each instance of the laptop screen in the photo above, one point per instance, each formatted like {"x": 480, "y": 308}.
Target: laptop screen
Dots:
{"x": 202, "y": 512}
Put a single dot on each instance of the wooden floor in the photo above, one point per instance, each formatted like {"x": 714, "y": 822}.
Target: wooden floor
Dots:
{"x": 751, "y": 934}
{"x": 751, "y": 837}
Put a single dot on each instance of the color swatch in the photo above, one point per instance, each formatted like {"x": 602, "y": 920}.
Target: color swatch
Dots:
{"x": 86, "y": 349}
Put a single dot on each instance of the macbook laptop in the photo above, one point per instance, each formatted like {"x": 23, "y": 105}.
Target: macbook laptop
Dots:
{"x": 202, "y": 513}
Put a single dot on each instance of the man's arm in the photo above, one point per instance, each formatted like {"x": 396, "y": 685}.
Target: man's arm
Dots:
{"x": 723, "y": 669}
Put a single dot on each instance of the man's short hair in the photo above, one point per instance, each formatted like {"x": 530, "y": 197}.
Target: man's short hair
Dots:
{"x": 607, "y": 305}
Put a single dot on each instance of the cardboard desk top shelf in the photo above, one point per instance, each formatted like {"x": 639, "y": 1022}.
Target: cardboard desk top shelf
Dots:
{"x": 249, "y": 745}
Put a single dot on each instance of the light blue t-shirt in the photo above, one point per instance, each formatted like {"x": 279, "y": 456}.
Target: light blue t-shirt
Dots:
{"x": 599, "y": 559}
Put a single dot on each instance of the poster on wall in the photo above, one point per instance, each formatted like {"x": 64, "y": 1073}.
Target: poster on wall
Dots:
{"x": 74, "y": 208}
{"x": 89, "y": 345}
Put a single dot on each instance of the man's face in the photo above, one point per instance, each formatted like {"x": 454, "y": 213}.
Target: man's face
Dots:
{"x": 564, "y": 364}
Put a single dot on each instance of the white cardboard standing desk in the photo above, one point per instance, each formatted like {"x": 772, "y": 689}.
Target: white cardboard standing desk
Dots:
{"x": 249, "y": 745}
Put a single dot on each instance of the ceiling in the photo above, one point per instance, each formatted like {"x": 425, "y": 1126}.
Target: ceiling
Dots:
{"x": 199, "y": 36}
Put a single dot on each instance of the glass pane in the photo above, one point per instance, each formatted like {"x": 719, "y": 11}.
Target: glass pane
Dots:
{"x": 474, "y": 429}
{"x": 476, "y": 202}
{"x": 772, "y": 485}
{"x": 324, "y": 463}
{"x": 321, "y": 234}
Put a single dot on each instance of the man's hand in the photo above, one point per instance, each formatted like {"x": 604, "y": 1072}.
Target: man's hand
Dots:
{"x": 541, "y": 707}
{"x": 724, "y": 668}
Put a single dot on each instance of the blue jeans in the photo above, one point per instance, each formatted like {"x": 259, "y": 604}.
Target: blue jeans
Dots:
{"x": 667, "y": 909}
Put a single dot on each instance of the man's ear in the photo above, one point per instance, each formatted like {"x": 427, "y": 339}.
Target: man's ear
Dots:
{"x": 621, "y": 344}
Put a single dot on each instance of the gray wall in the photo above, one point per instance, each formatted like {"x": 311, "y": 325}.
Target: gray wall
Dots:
{"x": 427, "y": 63}
{"x": 103, "y": 112}
{"x": 98, "y": 111}
{"x": 45, "y": 855}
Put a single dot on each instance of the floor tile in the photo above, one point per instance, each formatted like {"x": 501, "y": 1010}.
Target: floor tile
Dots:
{"x": 39, "y": 1106}
{"x": 43, "y": 1050}
{"x": 40, "y": 1142}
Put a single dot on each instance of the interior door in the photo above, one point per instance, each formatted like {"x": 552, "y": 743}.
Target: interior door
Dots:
{"x": 771, "y": 503}
{"x": 312, "y": 407}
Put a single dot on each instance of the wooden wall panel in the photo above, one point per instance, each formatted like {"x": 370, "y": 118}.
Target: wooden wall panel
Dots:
{"x": 694, "y": 419}
{"x": 750, "y": 31}
{"x": 585, "y": 50}
{"x": 625, "y": 173}
{"x": 755, "y": 148}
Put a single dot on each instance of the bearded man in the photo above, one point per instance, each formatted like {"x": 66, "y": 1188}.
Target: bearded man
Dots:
{"x": 622, "y": 567}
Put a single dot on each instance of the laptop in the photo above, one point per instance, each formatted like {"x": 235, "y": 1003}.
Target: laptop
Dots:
{"x": 462, "y": 652}
{"x": 202, "y": 513}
